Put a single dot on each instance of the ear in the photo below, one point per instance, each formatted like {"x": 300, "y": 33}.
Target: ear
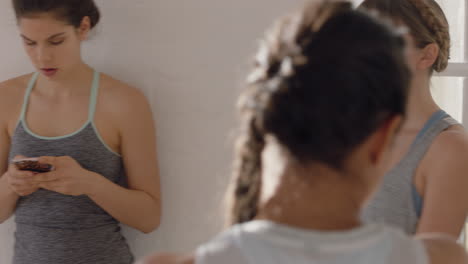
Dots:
{"x": 383, "y": 138}
{"x": 84, "y": 28}
{"x": 429, "y": 55}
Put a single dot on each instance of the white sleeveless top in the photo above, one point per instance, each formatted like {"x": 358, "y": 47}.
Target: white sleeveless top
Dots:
{"x": 267, "y": 242}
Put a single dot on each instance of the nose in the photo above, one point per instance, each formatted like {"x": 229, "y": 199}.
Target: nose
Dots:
{"x": 44, "y": 54}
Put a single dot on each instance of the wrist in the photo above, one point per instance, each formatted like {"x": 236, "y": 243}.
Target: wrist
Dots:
{"x": 6, "y": 186}
{"x": 95, "y": 183}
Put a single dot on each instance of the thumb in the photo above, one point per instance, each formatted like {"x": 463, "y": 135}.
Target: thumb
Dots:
{"x": 47, "y": 160}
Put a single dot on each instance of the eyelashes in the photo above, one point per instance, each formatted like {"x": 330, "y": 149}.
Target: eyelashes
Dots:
{"x": 54, "y": 43}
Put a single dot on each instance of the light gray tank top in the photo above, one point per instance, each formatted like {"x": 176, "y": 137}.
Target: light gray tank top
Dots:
{"x": 397, "y": 202}
{"x": 52, "y": 228}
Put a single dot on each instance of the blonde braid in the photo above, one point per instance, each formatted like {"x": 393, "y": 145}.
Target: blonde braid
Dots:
{"x": 276, "y": 60}
{"x": 435, "y": 21}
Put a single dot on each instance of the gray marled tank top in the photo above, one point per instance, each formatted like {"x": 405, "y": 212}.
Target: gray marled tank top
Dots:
{"x": 397, "y": 202}
{"x": 52, "y": 228}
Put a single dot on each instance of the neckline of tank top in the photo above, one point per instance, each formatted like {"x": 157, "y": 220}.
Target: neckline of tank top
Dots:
{"x": 91, "y": 109}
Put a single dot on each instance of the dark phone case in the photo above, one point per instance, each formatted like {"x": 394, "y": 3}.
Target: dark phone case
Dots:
{"x": 31, "y": 165}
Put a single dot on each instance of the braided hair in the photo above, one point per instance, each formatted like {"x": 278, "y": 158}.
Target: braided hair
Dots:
{"x": 323, "y": 80}
{"x": 426, "y": 20}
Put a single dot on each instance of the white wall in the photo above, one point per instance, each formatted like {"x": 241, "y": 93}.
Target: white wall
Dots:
{"x": 448, "y": 91}
{"x": 189, "y": 58}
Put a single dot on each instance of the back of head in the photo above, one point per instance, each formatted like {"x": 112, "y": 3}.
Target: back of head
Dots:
{"x": 70, "y": 11}
{"x": 324, "y": 80}
{"x": 426, "y": 21}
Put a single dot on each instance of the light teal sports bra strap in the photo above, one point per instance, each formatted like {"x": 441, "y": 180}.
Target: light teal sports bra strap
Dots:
{"x": 31, "y": 84}
{"x": 92, "y": 100}
{"x": 94, "y": 95}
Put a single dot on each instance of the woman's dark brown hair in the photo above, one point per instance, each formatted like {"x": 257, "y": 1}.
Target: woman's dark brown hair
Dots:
{"x": 71, "y": 11}
{"x": 323, "y": 81}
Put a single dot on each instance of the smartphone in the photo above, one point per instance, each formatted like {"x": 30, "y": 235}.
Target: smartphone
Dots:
{"x": 32, "y": 164}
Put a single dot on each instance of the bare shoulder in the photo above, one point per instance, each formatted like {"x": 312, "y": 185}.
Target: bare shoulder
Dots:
{"x": 454, "y": 138}
{"x": 123, "y": 104}
{"x": 449, "y": 149}
{"x": 442, "y": 248}
{"x": 11, "y": 96}
{"x": 22, "y": 80}
{"x": 168, "y": 259}
{"x": 120, "y": 94}
{"x": 14, "y": 88}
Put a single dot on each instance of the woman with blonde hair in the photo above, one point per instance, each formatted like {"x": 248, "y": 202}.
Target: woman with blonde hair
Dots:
{"x": 424, "y": 189}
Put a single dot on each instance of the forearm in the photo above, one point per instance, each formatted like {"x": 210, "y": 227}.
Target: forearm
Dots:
{"x": 132, "y": 207}
{"x": 8, "y": 200}
{"x": 441, "y": 248}
{"x": 451, "y": 223}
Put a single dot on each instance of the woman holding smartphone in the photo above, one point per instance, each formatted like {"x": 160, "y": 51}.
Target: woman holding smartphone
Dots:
{"x": 94, "y": 131}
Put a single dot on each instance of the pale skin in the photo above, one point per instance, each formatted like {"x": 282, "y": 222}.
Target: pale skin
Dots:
{"x": 343, "y": 192}
{"x": 58, "y": 106}
{"x": 441, "y": 178}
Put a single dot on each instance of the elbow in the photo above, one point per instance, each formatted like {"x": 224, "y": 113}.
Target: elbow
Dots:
{"x": 152, "y": 219}
{"x": 152, "y": 225}
{"x": 149, "y": 229}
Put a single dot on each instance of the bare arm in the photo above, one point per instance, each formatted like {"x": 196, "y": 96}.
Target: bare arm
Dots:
{"x": 138, "y": 206}
{"x": 13, "y": 183}
{"x": 443, "y": 249}
{"x": 8, "y": 198}
{"x": 445, "y": 191}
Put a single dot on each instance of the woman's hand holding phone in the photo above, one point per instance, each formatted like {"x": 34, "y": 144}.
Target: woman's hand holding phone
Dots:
{"x": 21, "y": 181}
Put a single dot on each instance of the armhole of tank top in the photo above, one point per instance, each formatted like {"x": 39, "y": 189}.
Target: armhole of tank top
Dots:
{"x": 98, "y": 135}
{"x": 418, "y": 201}
{"x": 439, "y": 116}
{"x": 92, "y": 111}
{"x": 17, "y": 124}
